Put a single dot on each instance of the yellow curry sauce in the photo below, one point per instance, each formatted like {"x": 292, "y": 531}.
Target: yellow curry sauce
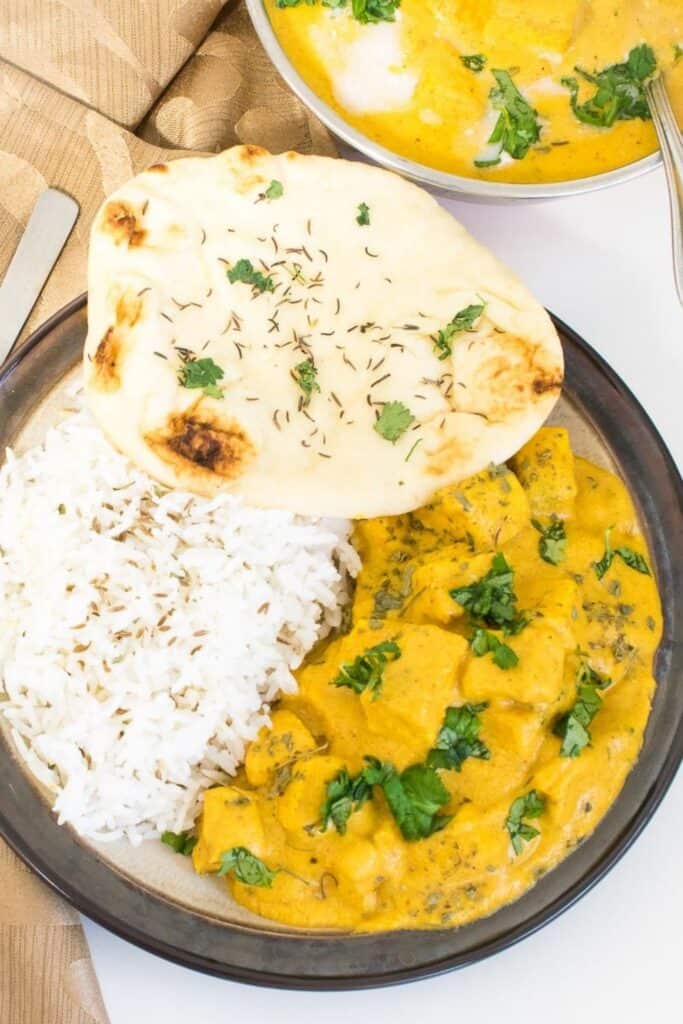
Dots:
{"x": 404, "y": 83}
{"x": 572, "y": 623}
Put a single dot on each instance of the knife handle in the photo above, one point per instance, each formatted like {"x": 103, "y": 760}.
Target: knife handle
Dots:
{"x": 50, "y": 224}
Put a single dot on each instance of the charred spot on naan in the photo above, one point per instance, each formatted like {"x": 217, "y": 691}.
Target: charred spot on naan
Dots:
{"x": 251, "y": 154}
{"x": 246, "y": 164}
{"x": 158, "y": 169}
{"x": 454, "y": 446}
{"x": 201, "y": 442}
{"x": 547, "y": 382}
{"x": 108, "y": 358}
{"x": 128, "y": 309}
{"x": 508, "y": 374}
{"x": 124, "y": 223}
{"x": 106, "y": 362}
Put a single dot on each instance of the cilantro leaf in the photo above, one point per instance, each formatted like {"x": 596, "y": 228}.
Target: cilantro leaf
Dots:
{"x": 517, "y": 127}
{"x": 482, "y": 642}
{"x": 201, "y": 373}
{"x": 552, "y": 546}
{"x": 244, "y": 272}
{"x": 474, "y": 62}
{"x": 181, "y": 842}
{"x": 458, "y": 738}
{"x": 414, "y": 796}
{"x": 366, "y": 671}
{"x": 633, "y": 559}
{"x": 619, "y": 90}
{"x": 572, "y": 728}
{"x": 363, "y": 217}
{"x": 365, "y": 11}
{"x": 246, "y": 867}
{"x": 678, "y": 52}
{"x": 343, "y": 795}
{"x": 393, "y": 421}
{"x": 275, "y": 190}
{"x": 306, "y": 376}
{"x": 372, "y": 11}
{"x": 463, "y": 320}
{"x": 530, "y": 805}
{"x": 491, "y": 601}
{"x": 602, "y": 566}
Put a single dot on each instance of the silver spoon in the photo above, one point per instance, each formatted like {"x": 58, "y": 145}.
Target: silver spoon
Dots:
{"x": 671, "y": 146}
{"x": 50, "y": 224}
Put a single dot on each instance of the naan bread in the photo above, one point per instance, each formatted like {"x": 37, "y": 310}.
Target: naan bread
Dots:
{"x": 360, "y": 304}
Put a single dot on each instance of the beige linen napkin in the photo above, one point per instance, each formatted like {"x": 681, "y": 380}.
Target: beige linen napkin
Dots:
{"x": 114, "y": 55}
{"x": 64, "y": 65}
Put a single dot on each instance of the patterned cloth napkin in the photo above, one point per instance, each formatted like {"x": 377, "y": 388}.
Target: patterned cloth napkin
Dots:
{"x": 91, "y": 92}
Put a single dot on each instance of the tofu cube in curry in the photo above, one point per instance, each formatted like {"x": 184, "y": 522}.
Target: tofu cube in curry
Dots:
{"x": 277, "y": 746}
{"x": 538, "y": 677}
{"x": 545, "y": 468}
{"x": 485, "y": 509}
{"x": 230, "y": 817}
{"x": 416, "y": 687}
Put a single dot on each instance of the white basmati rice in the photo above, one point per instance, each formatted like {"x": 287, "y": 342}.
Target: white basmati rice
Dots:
{"x": 145, "y": 631}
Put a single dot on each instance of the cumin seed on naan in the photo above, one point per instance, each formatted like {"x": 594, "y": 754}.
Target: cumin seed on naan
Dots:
{"x": 250, "y": 331}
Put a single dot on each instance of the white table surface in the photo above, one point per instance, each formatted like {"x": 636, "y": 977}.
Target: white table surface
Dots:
{"x": 602, "y": 263}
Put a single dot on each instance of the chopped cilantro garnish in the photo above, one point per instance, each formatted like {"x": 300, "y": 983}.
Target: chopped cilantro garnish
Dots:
{"x": 275, "y": 190}
{"x": 678, "y": 52}
{"x": 343, "y": 795}
{"x": 246, "y": 867}
{"x": 633, "y": 559}
{"x": 531, "y": 805}
{"x": 552, "y": 545}
{"x": 483, "y": 642}
{"x": 393, "y": 421}
{"x": 244, "y": 272}
{"x": 366, "y": 672}
{"x": 491, "y": 601}
{"x": 619, "y": 90}
{"x": 365, "y": 11}
{"x": 371, "y": 11}
{"x": 414, "y": 796}
{"x": 458, "y": 738}
{"x": 573, "y": 727}
{"x": 363, "y": 217}
{"x": 474, "y": 62}
{"x": 181, "y": 842}
{"x": 463, "y": 320}
{"x": 201, "y": 373}
{"x": 306, "y": 376}
{"x": 517, "y": 127}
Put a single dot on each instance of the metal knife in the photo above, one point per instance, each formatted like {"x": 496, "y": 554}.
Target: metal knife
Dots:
{"x": 48, "y": 228}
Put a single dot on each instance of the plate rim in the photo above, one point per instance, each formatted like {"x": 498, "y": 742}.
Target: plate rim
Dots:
{"x": 620, "y": 844}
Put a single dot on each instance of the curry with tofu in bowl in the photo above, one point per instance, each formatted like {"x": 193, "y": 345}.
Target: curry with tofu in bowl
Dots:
{"x": 474, "y": 722}
{"x": 495, "y": 90}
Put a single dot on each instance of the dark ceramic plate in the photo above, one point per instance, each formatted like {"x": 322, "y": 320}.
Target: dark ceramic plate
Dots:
{"x": 155, "y": 901}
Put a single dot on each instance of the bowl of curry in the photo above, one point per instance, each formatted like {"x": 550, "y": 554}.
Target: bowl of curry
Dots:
{"x": 490, "y": 729}
{"x": 498, "y": 100}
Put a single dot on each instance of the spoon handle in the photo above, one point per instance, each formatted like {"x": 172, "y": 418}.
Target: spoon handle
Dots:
{"x": 672, "y": 154}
